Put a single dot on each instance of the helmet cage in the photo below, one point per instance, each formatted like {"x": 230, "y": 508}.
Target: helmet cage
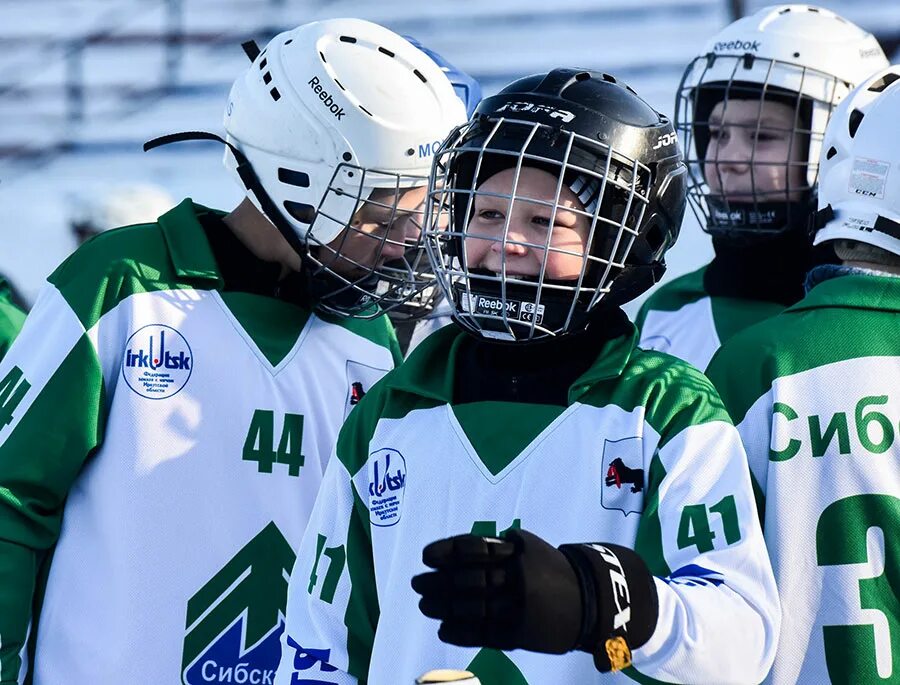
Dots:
{"x": 812, "y": 95}
{"x": 513, "y": 307}
{"x": 351, "y": 287}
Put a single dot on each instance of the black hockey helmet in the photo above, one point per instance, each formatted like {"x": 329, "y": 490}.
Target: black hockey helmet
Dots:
{"x": 596, "y": 136}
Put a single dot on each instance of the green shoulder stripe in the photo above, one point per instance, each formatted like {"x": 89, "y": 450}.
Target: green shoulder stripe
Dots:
{"x": 675, "y": 394}
{"x": 172, "y": 254}
{"x": 378, "y": 331}
{"x": 856, "y": 323}
{"x": 672, "y": 296}
{"x": 732, "y": 315}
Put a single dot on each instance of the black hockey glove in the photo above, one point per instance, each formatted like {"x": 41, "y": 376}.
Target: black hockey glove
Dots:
{"x": 519, "y": 592}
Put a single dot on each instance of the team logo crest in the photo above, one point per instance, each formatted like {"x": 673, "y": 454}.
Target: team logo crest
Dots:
{"x": 158, "y": 362}
{"x": 387, "y": 485}
{"x": 623, "y": 476}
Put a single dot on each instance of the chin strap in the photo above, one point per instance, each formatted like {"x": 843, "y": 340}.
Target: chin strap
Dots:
{"x": 248, "y": 178}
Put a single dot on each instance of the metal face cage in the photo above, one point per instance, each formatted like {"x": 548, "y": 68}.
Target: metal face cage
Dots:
{"x": 514, "y": 306}
{"x": 757, "y": 203}
{"x": 376, "y": 262}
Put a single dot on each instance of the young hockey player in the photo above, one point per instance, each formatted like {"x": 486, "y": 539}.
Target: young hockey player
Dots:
{"x": 538, "y": 412}
{"x": 751, "y": 111}
{"x": 815, "y": 394}
{"x": 173, "y": 398}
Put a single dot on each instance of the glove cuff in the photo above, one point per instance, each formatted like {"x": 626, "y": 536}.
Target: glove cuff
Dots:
{"x": 621, "y": 605}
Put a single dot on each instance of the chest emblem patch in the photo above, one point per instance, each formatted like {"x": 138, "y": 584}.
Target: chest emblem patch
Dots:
{"x": 387, "y": 485}
{"x": 623, "y": 476}
{"x": 158, "y": 362}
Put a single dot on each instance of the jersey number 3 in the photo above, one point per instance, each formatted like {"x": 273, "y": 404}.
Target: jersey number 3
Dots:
{"x": 852, "y": 652}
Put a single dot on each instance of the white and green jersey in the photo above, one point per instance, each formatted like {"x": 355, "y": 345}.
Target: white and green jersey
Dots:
{"x": 162, "y": 444}
{"x": 815, "y": 393}
{"x": 684, "y": 320}
{"x": 644, "y": 455}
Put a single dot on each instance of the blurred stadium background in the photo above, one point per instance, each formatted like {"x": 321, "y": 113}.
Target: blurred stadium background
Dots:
{"x": 83, "y": 83}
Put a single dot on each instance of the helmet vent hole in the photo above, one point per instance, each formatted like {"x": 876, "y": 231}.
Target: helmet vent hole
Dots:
{"x": 609, "y": 78}
{"x": 365, "y": 110}
{"x": 322, "y": 55}
{"x": 347, "y": 156}
{"x": 276, "y": 96}
{"x": 419, "y": 74}
{"x": 796, "y": 54}
{"x": 267, "y": 78}
{"x": 262, "y": 65}
{"x": 348, "y": 39}
{"x": 300, "y": 211}
{"x": 785, "y": 10}
{"x": 856, "y": 118}
{"x": 882, "y": 83}
{"x": 289, "y": 41}
{"x": 340, "y": 85}
{"x": 294, "y": 178}
{"x": 582, "y": 76}
{"x": 385, "y": 51}
{"x": 831, "y": 152}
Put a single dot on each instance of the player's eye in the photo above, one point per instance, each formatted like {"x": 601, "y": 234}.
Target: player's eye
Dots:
{"x": 490, "y": 215}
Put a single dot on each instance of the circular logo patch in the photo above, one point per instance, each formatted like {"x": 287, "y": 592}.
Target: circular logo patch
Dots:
{"x": 158, "y": 362}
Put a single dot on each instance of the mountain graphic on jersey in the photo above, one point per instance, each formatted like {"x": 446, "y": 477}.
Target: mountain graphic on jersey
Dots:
{"x": 234, "y": 622}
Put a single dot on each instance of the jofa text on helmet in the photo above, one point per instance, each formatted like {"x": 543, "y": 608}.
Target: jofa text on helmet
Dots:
{"x": 666, "y": 140}
{"x": 737, "y": 45}
{"x": 553, "y": 112}
{"x": 326, "y": 99}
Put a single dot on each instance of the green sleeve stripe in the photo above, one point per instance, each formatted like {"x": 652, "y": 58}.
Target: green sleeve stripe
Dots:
{"x": 361, "y": 617}
{"x": 648, "y": 542}
{"x": 37, "y": 468}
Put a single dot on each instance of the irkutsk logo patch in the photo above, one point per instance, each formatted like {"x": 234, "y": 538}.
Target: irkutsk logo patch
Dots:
{"x": 387, "y": 485}
{"x": 158, "y": 362}
{"x": 623, "y": 476}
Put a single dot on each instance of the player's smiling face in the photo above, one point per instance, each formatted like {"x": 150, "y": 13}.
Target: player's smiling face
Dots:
{"x": 743, "y": 163}
{"x": 524, "y": 246}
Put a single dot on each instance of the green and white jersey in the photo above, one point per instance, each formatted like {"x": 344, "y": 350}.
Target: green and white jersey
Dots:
{"x": 684, "y": 320}
{"x": 644, "y": 455}
{"x": 815, "y": 394}
{"x": 11, "y": 317}
{"x": 162, "y": 444}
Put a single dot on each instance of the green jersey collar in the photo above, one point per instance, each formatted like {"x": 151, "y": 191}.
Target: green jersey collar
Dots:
{"x": 430, "y": 371}
{"x": 853, "y": 292}
{"x": 189, "y": 249}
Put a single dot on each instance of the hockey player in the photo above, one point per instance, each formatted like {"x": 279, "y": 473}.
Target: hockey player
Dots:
{"x": 173, "y": 398}
{"x": 538, "y": 412}
{"x": 815, "y": 393}
{"x": 751, "y": 111}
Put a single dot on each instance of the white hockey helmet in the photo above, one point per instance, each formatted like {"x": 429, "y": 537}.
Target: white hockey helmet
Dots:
{"x": 801, "y": 55}
{"x": 859, "y": 192}
{"x": 119, "y": 205}
{"x": 328, "y": 113}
